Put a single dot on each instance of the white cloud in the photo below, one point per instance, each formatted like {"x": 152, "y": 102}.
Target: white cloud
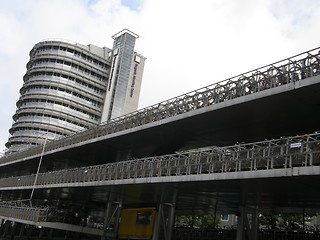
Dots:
{"x": 188, "y": 44}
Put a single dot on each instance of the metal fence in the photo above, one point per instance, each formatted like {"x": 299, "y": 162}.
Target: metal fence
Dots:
{"x": 203, "y": 234}
{"x": 290, "y": 70}
{"x": 20, "y": 210}
{"x": 34, "y": 211}
{"x": 230, "y": 234}
{"x": 299, "y": 151}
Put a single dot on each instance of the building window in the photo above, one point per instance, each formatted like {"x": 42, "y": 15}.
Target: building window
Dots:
{"x": 143, "y": 218}
{"x": 137, "y": 59}
{"x": 225, "y": 217}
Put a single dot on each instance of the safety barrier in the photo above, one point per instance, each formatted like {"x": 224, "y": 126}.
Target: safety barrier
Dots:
{"x": 19, "y": 210}
{"x": 299, "y": 151}
{"x": 293, "y": 69}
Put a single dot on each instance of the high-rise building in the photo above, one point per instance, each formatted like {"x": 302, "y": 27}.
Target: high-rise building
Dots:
{"x": 125, "y": 77}
{"x": 69, "y": 87}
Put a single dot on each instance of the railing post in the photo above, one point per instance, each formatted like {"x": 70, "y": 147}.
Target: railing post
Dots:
{"x": 308, "y": 155}
{"x": 39, "y": 165}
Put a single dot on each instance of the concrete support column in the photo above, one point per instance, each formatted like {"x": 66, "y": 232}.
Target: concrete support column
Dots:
{"x": 42, "y": 232}
{"x": 255, "y": 224}
{"x": 165, "y": 217}
{"x": 22, "y": 228}
{"x": 67, "y": 235}
{"x": 76, "y": 235}
{"x": 13, "y": 230}
{"x": 6, "y": 228}
{"x": 50, "y": 234}
{"x": 113, "y": 211}
{"x": 117, "y": 219}
{"x": 2, "y": 227}
{"x": 29, "y": 230}
{"x": 106, "y": 221}
{"x": 240, "y": 224}
{"x": 172, "y": 213}
{"x": 247, "y": 228}
{"x": 156, "y": 228}
{"x": 171, "y": 220}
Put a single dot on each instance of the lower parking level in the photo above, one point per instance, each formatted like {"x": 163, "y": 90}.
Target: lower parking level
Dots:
{"x": 18, "y": 231}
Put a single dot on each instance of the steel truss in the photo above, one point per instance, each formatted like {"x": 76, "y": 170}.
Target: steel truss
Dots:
{"x": 299, "y": 151}
{"x": 35, "y": 213}
{"x": 24, "y": 210}
{"x": 290, "y": 70}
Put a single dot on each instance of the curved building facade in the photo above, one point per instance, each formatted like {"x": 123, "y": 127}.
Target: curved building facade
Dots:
{"x": 63, "y": 92}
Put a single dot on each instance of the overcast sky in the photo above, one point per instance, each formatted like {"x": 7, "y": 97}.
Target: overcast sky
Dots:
{"x": 188, "y": 43}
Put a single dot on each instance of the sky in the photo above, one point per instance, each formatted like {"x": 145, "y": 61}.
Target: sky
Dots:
{"x": 189, "y": 44}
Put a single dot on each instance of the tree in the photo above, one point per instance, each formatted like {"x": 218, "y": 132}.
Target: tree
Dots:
{"x": 269, "y": 221}
{"x": 209, "y": 221}
{"x": 294, "y": 221}
{"x": 285, "y": 221}
{"x": 203, "y": 222}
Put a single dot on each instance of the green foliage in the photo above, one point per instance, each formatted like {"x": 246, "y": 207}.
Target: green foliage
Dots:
{"x": 203, "y": 222}
{"x": 208, "y": 221}
{"x": 269, "y": 221}
{"x": 285, "y": 221}
{"x": 294, "y": 221}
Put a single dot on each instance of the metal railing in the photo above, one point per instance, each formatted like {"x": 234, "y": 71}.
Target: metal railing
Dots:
{"x": 23, "y": 210}
{"x": 231, "y": 234}
{"x": 30, "y": 210}
{"x": 290, "y": 70}
{"x": 299, "y": 151}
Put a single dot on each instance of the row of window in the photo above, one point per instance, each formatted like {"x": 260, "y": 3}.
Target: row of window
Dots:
{"x": 18, "y": 145}
{"x": 71, "y": 51}
{"x": 39, "y": 87}
{"x": 69, "y": 64}
{"x": 49, "y": 116}
{"x": 36, "y": 129}
{"x": 91, "y": 115}
{"x": 61, "y": 75}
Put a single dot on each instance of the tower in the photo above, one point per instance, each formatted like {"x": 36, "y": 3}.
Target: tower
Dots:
{"x": 124, "y": 83}
{"x": 68, "y": 86}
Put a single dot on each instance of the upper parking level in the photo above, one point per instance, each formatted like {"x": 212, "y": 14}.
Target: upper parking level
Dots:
{"x": 249, "y": 107}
